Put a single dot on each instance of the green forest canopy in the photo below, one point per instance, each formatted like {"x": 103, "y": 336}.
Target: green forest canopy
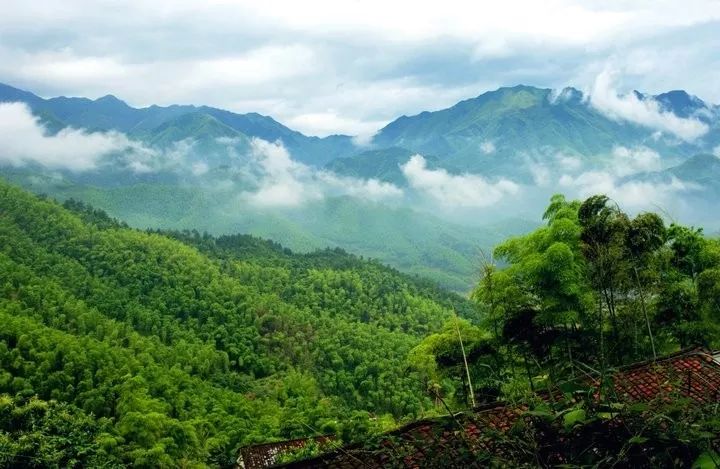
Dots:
{"x": 174, "y": 352}
{"x": 173, "y": 349}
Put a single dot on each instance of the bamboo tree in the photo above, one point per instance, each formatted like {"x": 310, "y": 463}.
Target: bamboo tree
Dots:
{"x": 467, "y": 369}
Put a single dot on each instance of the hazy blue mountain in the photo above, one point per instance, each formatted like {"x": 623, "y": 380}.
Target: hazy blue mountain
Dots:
{"x": 497, "y": 131}
{"x": 494, "y": 133}
{"x": 702, "y": 169}
{"x": 685, "y": 105}
{"x": 699, "y": 176}
{"x": 512, "y": 119}
{"x": 196, "y": 123}
{"x": 682, "y": 104}
{"x": 313, "y": 150}
{"x": 106, "y": 113}
{"x": 9, "y": 94}
{"x": 110, "y": 113}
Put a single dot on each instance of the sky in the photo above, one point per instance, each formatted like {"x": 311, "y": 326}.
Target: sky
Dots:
{"x": 349, "y": 66}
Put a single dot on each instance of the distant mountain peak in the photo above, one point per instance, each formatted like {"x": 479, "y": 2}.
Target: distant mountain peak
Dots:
{"x": 109, "y": 98}
{"x": 567, "y": 94}
{"x": 521, "y": 87}
{"x": 10, "y": 93}
{"x": 681, "y": 103}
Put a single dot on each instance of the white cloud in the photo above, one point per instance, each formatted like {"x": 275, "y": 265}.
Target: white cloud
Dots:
{"x": 281, "y": 183}
{"x": 287, "y": 183}
{"x": 540, "y": 173}
{"x": 567, "y": 162}
{"x": 467, "y": 190}
{"x": 560, "y": 95}
{"x": 365, "y": 61}
{"x": 633, "y": 194}
{"x": 329, "y": 122}
{"x": 229, "y": 141}
{"x": 487, "y": 147}
{"x": 545, "y": 167}
{"x": 199, "y": 168}
{"x": 646, "y": 112}
{"x": 370, "y": 189}
{"x": 716, "y": 151}
{"x": 24, "y": 140}
{"x": 627, "y": 161}
{"x": 254, "y": 67}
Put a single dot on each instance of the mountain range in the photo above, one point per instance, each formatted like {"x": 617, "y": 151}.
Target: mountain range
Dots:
{"x": 488, "y": 163}
{"x": 511, "y": 121}
{"x": 166, "y": 125}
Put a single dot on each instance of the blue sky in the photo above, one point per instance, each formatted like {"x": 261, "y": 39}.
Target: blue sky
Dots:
{"x": 352, "y": 66}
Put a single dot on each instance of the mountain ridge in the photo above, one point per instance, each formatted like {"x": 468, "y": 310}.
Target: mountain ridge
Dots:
{"x": 111, "y": 113}
{"x": 519, "y": 117}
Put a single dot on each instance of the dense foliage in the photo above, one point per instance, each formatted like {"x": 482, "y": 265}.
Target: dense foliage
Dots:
{"x": 163, "y": 350}
{"x": 414, "y": 242}
{"x": 593, "y": 290}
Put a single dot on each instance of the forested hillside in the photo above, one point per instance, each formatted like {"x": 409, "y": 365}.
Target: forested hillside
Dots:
{"x": 416, "y": 243}
{"x": 122, "y": 347}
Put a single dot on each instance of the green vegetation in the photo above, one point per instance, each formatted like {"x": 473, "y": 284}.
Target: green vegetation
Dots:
{"x": 137, "y": 348}
{"x": 174, "y": 348}
{"x": 593, "y": 286}
{"x": 589, "y": 292}
{"x": 414, "y": 242}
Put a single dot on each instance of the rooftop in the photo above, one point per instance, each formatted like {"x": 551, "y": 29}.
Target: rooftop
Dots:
{"x": 692, "y": 374}
{"x": 266, "y": 454}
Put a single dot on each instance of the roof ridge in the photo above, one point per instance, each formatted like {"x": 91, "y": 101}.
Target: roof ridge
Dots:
{"x": 270, "y": 443}
{"x": 698, "y": 350}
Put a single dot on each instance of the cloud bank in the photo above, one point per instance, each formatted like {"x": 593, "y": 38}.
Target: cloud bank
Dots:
{"x": 467, "y": 190}
{"x": 279, "y": 181}
{"x": 633, "y": 195}
{"x": 646, "y": 112}
{"x": 614, "y": 182}
{"x": 487, "y": 147}
{"x": 283, "y": 182}
{"x": 24, "y": 140}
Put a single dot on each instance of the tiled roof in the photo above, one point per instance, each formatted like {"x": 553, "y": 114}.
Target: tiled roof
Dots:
{"x": 694, "y": 374}
{"x": 266, "y": 454}
{"x": 428, "y": 443}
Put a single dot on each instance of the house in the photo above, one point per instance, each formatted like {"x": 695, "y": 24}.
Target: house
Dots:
{"x": 692, "y": 374}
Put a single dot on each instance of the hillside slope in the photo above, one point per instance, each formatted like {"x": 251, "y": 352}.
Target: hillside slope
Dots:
{"x": 155, "y": 353}
{"x": 412, "y": 241}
